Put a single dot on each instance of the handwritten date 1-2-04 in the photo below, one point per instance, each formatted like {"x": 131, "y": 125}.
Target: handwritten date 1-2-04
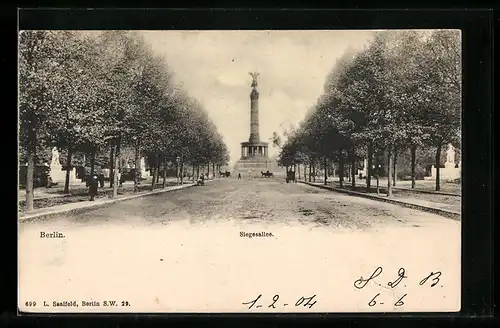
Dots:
{"x": 302, "y": 301}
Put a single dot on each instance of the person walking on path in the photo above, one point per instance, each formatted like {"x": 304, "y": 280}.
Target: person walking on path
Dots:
{"x": 101, "y": 180}
{"x": 239, "y": 175}
{"x": 93, "y": 185}
{"x": 120, "y": 179}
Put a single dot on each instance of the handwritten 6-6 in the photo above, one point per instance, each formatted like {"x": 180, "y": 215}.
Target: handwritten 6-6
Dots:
{"x": 432, "y": 279}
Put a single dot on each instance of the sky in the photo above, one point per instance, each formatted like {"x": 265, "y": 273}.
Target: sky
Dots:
{"x": 214, "y": 66}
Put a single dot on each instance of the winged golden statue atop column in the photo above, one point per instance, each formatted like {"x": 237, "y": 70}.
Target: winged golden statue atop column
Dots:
{"x": 254, "y": 77}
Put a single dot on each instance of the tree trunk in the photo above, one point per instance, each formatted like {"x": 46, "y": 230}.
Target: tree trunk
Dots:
{"x": 438, "y": 161}
{"x": 326, "y": 171}
{"x": 155, "y": 172}
{"x": 29, "y": 180}
{"x": 305, "y": 173}
{"x": 193, "y": 173}
{"x": 182, "y": 171}
{"x": 92, "y": 162}
{"x": 164, "y": 177}
{"x": 31, "y": 153}
{"x": 389, "y": 172}
{"x": 413, "y": 158}
{"x": 68, "y": 171}
{"x": 310, "y": 170}
{"x": 395, "y": 169}
{"x": 197, "y": 171}
{"x": 377, "y": 171}
{"x": 137, "y": 161}
{"x": 208, "y": 169}
{"x": 314, "y": 170}
{"x": 341, "y": 170}
{"x": 213, "y": 170}
{"x": 152, "y": 171}
{"x": 111, "y": 165}
{"x": 378, "y": 185}
{"x": 116, "y": 169}
{"x": 353, "y": 171}
{"x": 369, "y": 168}
{"x": 177, "y": 173}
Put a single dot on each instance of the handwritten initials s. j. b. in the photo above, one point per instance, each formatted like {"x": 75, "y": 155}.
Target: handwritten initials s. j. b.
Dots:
{"x": 401, "y": 276}
{"x": 435, "y": 278}
{"x": 361, "y": 283}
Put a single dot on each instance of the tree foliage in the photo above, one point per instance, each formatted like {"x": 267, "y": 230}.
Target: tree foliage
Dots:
{"x": 401, "y": 92}
{"x": 84, "y": 92}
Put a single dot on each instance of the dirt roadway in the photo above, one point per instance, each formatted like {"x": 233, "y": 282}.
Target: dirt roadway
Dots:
{"x": 183, "y": 251}
{"x": 259, "y": 200}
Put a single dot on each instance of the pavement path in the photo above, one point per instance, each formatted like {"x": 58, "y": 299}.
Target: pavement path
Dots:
{"x": 450, "y": 203}
{"x": 183, "y": 251}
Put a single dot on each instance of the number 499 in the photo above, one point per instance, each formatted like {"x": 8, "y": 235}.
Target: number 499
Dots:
{"x": 30, "y": 303}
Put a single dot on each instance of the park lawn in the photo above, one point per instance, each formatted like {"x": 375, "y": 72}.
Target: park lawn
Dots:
{"x": 81, "y": 195}
{"x": 424, "y": 185}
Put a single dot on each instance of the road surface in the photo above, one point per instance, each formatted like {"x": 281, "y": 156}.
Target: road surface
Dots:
{"x": 193, "y": 250}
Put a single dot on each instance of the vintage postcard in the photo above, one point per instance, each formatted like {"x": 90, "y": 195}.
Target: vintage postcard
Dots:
{"x": 257, "y": 171}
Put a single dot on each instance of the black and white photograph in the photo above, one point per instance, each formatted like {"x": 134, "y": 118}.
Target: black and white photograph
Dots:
{"x": 239, "y": 171}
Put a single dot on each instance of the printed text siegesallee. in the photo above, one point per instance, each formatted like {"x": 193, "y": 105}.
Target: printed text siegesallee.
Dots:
{"x": 256, "y": 234}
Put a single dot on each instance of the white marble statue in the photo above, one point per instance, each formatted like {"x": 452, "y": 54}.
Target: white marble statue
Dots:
{"x": 450, "y": 154}
{"x": 55, "y": 157}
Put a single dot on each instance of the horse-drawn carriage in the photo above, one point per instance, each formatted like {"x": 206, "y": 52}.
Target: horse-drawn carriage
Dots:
{"x": 200, "y": 181}
{"x": 290, "y": 176}
{"x": 266, "y": 174}
{"x": 226, "y": 174}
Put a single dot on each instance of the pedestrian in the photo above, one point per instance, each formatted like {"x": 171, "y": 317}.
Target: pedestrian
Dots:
{"x": 93, "y": 185}
{"x": 49, "y": 182}
{"x": 120, "y": 181}
{"x": 239, "y": 175}
{"x": 101, "y": 180}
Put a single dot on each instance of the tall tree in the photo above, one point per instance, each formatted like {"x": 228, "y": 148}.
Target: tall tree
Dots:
{"x": 37, "y": 52}
{"x": 443, "y": 79}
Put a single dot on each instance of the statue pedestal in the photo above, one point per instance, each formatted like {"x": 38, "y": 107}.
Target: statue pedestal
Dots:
{"x": 142, "y": 169}
{"x": 106, "y": 173}
{"x": 145, "y": 174}
{"x": 364, "y": 171}
{"x": 252, "y": 167}
{"x": 449, "y": 165}
{"x": 448, "y": 173}
{"x": 58, "y": 175}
